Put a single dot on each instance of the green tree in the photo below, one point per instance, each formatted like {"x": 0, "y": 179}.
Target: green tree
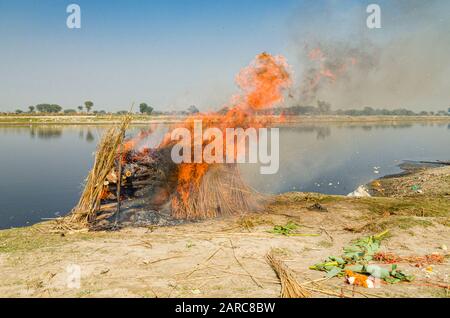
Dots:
{"x": 369, "y": 111}
{"x": 145, "y": 109}
{"x": 31, "y": 109}
{"x": 88, "y": 105}
{"x": 48, "y": 108}
{"x": 80, "y": 108}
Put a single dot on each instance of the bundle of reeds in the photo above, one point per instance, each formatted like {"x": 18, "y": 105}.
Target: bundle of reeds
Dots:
{"x": 85, "y": 211}
{"x": 221, "y": 192}
{"x": 290, "y": 288}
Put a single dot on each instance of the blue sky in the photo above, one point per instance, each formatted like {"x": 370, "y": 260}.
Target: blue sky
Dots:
{"x": 167, "y": 53}
{"x": 170, "y": 54}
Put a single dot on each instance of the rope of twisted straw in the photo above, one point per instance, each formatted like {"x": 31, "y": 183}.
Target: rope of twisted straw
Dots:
{"x": 290, "y": 288}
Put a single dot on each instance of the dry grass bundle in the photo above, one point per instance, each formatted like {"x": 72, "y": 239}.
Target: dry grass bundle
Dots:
{"x": 221, "y": 192}
{"x": 290, "y": 288}
{"x": 85, "y": 211}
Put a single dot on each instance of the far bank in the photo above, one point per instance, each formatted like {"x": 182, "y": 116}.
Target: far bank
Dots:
{"x": 146, "y": 119}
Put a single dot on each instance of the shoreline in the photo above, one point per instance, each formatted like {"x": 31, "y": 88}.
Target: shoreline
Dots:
{"x": 15, "y": 120}
{"x": 408, "y": 169}
{"x": 156, "y": 261}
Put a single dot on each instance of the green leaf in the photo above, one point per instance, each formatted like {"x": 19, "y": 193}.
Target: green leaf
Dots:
{"x": 377, "y": 271}
{"x": 340, "y": 260}
{"x": 391, "y": 280}
{"x": 356, "y": 268}
{"x": 355, "y": 258}
{"x": 334, "y": 272}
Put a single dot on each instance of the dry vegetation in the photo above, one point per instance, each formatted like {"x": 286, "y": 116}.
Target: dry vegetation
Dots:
{"x": 105, "y": 157}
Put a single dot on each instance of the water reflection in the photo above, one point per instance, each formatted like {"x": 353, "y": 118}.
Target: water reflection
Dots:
{"x": 43, "y": 167}
{"x": 335, "y": 158}
{"x": 323, "y": 132}
{"x": 43, "y": 132}
{"x": 378, "y": 126}
{"x": 88, "y": 134}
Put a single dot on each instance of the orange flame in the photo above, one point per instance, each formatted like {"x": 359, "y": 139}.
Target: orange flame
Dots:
{"x": 262, "y": 84}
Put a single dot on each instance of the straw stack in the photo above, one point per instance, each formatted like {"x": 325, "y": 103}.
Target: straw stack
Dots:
{"x": 221, "y": 192}
{"x": 290, "y": 288}
{"x": 84, "y": 212}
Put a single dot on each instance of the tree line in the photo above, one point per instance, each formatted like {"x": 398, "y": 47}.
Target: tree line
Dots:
{"x": 144, "y": 109}
{"x": 55, "y": 108}
{"x": 324, "y": 108}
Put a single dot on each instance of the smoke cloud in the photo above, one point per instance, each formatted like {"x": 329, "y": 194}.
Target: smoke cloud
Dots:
{"x": 406, "y": 63}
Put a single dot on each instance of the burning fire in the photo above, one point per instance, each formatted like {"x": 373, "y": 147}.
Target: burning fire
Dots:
{"x": 262, "y": 84}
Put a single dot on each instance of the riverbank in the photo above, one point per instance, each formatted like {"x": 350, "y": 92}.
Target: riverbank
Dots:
{"x": 213, "y": 258}
{"x": 145, "y": 119}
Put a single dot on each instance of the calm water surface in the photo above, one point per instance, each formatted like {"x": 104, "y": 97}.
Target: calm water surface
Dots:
{"x": 42, "y": 167}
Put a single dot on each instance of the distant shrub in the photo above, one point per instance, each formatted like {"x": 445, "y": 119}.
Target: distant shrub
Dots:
{"x": 48, "y": 108}
{"x": 145, "y": 109}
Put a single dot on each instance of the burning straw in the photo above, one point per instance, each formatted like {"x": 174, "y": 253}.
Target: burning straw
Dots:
{"x": 107, "y": 151}
{"x": 188, "y": 190}
{"x": 290, "y": 288}
{"x": 221, "y": 192}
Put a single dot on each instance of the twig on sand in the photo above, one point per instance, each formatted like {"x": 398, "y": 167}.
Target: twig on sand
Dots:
{"x": 315, "y": 281}
{"x": 266, "y": 280}
{"x": 143, "y": 243}
{"x": 242, "y": 266}
{"x": 326, "y": 232}
{"x": 199, "y": 265}
{"x": 204, "y": 262}
{"x": 327, "y": 292}
{"x": 161, "y": 259}
{"x": 188, "y": 271}
{"x": 364, "y": 293}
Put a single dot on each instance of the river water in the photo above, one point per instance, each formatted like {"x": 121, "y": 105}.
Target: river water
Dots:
{"x": 43, "y": 167}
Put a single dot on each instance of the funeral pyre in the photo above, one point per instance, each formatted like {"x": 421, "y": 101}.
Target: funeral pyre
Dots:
{"x": 146, "y": 186}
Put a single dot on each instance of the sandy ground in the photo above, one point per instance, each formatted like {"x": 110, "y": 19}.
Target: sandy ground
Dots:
{"x": 225, "y": 257}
